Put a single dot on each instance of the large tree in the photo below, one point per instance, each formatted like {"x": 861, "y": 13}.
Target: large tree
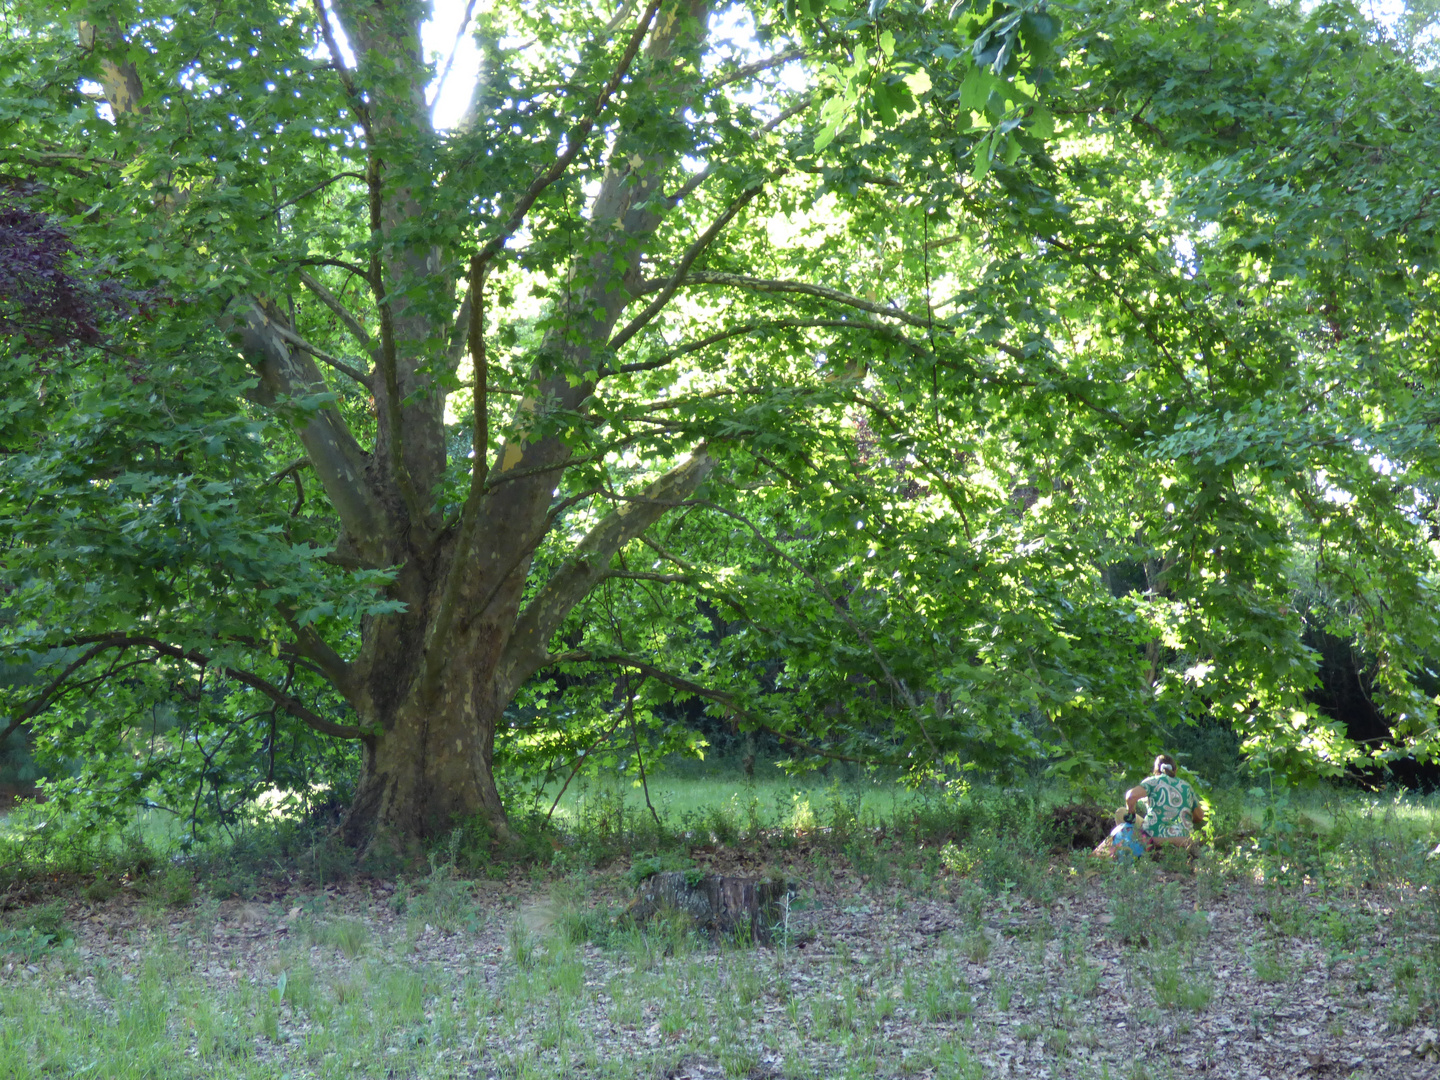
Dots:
{"x": 826, "y": 364}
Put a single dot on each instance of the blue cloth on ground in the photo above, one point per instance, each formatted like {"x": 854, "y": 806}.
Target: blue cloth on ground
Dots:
{"x": 1125, "y": 841}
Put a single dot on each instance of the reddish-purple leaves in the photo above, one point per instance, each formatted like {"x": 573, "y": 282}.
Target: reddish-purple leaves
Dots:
{"x": 45, "y": 298}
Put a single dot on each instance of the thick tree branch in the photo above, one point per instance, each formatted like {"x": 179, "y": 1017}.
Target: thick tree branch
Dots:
{"x": 764, "y": 285}
{"x": 524, "y": 550}
{"x": 759, "y": 66}
{"x": 454, "y": 48}
{"x": 444, "y": 619}
{"x": 333, "y": 666}
{"x": 120, "y": 80}
{"x": 315, "y": 656}
{"x": 41, "y": 701}
{"x": 357, "y": 99}
{"x": 687, "y": 400}
{"x": 702, "y": 583}
{"x": 336, "y": 456}
{"x": 30, "y": 156}
{"x": 749, "y": 328}
{"x": 646, "y": 575}
{"x": 624, "y": 212}
{"x": 480, "y": 362}
{"x": 804, "y": 288}
{"x": 330, "y": 300}
{"x": 292, "y": 705}
{"x": 459, "y": 332}
{"x": 685, "y": 190}
{"x": 590, "y": 561}
{"x": 312, "y": 190}
{"x": 354, "y": 268}
{"x": 389, "y": 357}
{"x": 867, "y": 178}
{"x": 574, "y": 141}
{"x": 335, "y": 362}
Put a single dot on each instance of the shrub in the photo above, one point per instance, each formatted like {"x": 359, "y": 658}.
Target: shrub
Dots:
{"x": 645, "y": 867}
{"x": 33, "y": 930}
{"x": 136, "y": 856}
{"x": 1078, "y": 825}
{"x": 101, "y": 889}
{"x": 444, "y": 902}
{"x": 174, "y": 888}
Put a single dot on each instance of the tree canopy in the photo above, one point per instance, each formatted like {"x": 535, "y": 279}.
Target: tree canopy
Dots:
{"x": 934, "y": 386}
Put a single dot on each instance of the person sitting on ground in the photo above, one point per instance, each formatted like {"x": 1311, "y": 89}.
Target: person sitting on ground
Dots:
{"x": 1172, "y": 809}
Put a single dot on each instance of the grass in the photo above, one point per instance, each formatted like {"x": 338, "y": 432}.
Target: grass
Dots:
{"x": 443, "y": 979}
{"x": 441, "y": 900}
{"x": 727, "y": 808}
{"x": 1176, "y": 985}
{"x": 347, "y": 936}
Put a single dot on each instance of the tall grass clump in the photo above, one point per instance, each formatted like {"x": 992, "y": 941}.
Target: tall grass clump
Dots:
{"x": 440, "y": 899}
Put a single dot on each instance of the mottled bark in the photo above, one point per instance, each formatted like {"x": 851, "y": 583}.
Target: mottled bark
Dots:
{"x": 428, "y": 763}
{"x": 431, "y": 768}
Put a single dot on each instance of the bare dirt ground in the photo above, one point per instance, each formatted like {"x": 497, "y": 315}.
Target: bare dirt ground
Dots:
{"x": 1144, "y": 975}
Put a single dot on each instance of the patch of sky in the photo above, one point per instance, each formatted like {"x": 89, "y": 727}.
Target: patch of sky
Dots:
{"x": 1412, "y": 25}
{"x": 449, "y": 41}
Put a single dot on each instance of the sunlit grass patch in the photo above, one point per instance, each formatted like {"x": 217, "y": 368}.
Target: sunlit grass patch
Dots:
{"x": 346, "y": 935}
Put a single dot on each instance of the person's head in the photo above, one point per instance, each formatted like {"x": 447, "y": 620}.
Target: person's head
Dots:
{"x": 1164, "y": 765}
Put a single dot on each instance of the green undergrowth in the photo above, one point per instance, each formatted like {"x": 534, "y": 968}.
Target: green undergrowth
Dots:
{"x": 988, "y": 834}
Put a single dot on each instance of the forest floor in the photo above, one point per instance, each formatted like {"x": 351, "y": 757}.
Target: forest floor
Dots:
{"x": 913, "y": 968}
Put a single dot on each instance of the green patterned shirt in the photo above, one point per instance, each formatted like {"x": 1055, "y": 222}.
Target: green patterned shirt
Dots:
{"x": 1168, "y": 805}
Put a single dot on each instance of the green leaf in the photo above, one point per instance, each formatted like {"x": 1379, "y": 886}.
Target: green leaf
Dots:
{"x": 982, "y": 154}
{"x": 975, "y": 90}
{"x": 1041, "y": 122}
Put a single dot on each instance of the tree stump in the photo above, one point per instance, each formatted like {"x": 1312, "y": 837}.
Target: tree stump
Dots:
{"x": 715, "y": 904}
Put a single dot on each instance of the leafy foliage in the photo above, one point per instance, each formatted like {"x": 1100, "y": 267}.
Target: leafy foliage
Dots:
{"x": 41, "y": 299}
{"x": 939, "y": 387}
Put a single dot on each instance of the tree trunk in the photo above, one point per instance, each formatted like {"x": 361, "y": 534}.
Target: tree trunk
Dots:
{"x": 437, "y": 678}
{"x": 429, "y": 761}
{"x": 432, "y": 709}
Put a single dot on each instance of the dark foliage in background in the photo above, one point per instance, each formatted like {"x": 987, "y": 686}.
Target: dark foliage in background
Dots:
{"x": 46, "y": 300}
